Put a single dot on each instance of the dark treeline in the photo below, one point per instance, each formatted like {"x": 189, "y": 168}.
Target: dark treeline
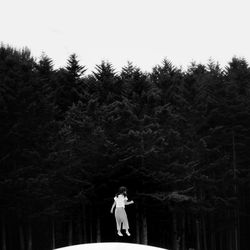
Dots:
{"x": 179, "y": 140}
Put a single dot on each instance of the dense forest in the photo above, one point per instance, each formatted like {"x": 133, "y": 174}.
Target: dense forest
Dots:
{"x": 178, "y": 140}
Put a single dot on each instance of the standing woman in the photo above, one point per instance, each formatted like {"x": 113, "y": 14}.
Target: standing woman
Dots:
{"x": 120, "y": 200}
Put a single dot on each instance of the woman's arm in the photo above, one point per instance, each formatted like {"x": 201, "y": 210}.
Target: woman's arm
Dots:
{"x": 129, "y": 202}
{"x": 112, "y": 208}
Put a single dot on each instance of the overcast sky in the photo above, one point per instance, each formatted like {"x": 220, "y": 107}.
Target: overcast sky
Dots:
{"x": 141, "y": 31}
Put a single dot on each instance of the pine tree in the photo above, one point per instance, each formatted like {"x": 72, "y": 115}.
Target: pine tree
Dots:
{"x": 168, "y": 79}
{"x": 106, "y": 83}
{"x": 70, "y": 82}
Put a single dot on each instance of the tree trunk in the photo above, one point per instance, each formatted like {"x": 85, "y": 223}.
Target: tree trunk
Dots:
{"x": 79, "y": 227}
{"x": 236, "y": 229}
{"x": 204, "y": 232}
{"x": 98, "y": 227}
{"x": 4, "y": 245}
{"x": 70, "y": 231}
{"x": 144, "y": 227}
{"x": 175, "y": 233}
{"x": 91, "y": 225}
{"x": 198, "y": 237}
{"x": 212, "y": 230}
{"x": 183, "y": 238}
{"x": 84, "y": 223}
{"x": 29, "y": 236}
{"x": 236, "y": 212}
{"x": 21, "y": 237}
{"x": 53, "y": 234}
{"x": 138, "y": 240}
{"x": 230, "y": 243}
{"x": 221, "y": 241}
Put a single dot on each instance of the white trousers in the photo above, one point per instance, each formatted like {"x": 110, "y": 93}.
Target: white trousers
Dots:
{"x": 121, "y": 218}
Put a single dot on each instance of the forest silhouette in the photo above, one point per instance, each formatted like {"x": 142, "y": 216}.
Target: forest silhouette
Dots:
{"x": 178, "y": 140}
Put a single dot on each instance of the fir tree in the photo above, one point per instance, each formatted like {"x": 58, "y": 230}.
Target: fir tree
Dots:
{"x": 70, "y": 87}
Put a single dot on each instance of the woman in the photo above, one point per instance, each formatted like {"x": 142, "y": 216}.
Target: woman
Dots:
{"x": 120, "y": 200}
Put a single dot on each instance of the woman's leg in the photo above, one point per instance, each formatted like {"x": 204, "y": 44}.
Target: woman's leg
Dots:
{"x": 118, "y": 221}
{"x": 125, "y": 224}
{"x": 118, "y": 224}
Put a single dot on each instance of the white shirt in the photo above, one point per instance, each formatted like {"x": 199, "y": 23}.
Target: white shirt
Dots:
{"x": 120, "y": 200}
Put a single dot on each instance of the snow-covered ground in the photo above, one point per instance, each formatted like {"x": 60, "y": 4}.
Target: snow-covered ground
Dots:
{"x": 110, "y": 246}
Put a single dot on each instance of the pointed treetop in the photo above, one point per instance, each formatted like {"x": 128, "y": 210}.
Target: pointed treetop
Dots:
{"x": 74, "y": 68}
{"x": 104, "y": 71}
{"x": 130, "y": 71}
{"x": 45, "y": 64}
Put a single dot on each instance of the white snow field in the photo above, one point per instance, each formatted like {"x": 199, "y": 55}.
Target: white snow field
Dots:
{"x": 110, "y": 246}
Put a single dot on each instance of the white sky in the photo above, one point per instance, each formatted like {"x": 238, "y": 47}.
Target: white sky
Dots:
{"x": 141, "y": 31}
